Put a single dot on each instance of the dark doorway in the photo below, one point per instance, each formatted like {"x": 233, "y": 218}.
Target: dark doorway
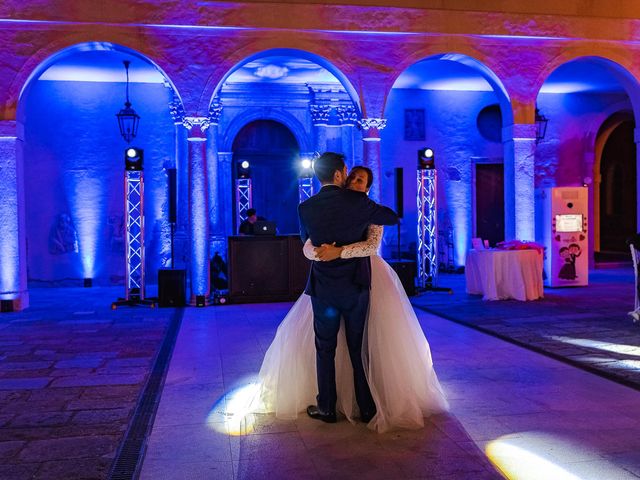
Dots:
{"x": 490, "y": 202}
{"x": 273, "y": 153}
{"x": 618, "y": 189}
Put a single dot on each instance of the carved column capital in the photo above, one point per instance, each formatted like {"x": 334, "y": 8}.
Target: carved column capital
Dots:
{"x": 197, "y": 127}
{"x": 215, "y": 112}
{"x": 319, "y": 113}
{"x": 177, "y": 110}
{"x": 372, "y": 123}
{"x": 371, "y": 128}
{"x": 347, "y": 115}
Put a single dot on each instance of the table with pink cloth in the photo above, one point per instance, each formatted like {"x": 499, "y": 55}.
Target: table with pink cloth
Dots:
{"x": 501, "y": 274}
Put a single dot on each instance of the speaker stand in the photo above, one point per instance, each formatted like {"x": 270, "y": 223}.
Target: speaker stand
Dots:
{"x": 134, "y": 301}
{"x": 429, "y": 287}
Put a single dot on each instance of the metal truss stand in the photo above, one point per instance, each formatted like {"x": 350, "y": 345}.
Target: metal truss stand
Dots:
{"x": 305, "y": 188}
{"x": 428, "y": 233}
{"x": 134, "y": 203}
{"x": 243, "y": 199}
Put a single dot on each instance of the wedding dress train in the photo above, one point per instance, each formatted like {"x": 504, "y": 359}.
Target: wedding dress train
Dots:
{"x": 397, "y": 361}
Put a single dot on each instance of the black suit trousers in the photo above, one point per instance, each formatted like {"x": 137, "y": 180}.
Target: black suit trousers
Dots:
{"x": 326, "y": 323}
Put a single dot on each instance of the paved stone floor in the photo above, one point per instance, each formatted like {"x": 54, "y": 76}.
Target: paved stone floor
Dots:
{"x": 71, "y": 373}
{"x": 587, "y": 326}
{"x": 513, "y": 411}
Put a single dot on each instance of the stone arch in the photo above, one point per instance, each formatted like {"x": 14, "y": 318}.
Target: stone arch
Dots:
{"x": 90, "y": 244}
{"x": 463, "y": 57}
{"x": 599, "y": 129}
{"x": 617, "y": 63}
{"x": 44, "y": 57}
{"x": 304, "y": 139}
{"x": 249, "y": 53}
{"x": 456, "y": 212}
{"x": 600, "y": 132}
{"x": 51, "y": 59}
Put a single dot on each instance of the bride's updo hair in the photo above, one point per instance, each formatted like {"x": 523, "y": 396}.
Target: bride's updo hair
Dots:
{"x": 367, "y": 170}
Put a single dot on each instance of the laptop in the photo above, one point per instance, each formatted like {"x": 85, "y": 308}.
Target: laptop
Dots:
{"x": 263, "y": 227}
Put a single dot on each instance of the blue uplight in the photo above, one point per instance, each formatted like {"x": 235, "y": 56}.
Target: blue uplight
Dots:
{"x": 86, "y": 194}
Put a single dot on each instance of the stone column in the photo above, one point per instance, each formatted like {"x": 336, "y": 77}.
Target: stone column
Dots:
{"x": 198, "y": 207}
{"x": 348, "y": 118}
{"x": 13, "y": 252}
{"x": 519, "y": 181}
{"x": 320, "y": 120}
{"x": 217, "y": 239}
{"x": 181, "y": 235}
{"x": 227, "y": 193}
{"x": 371, "y": 151}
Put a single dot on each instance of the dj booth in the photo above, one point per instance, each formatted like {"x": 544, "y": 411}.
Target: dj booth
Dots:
{"x": 266, "y": 268}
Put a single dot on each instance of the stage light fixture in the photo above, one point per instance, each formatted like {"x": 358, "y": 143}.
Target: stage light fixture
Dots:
{"x": 133, "y": 158}
{"x": 426, "y": 159}
{"x": 306, "y": 168}
{"x": 243, "y": 169}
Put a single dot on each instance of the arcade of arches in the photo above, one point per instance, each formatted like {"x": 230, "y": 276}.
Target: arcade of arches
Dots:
{"x": 275, "y": 83}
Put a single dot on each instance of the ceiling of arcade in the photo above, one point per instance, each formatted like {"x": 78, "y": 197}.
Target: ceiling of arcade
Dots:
{"x": 434, "y": 74}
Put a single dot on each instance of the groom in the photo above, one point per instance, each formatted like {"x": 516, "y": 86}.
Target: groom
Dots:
{"x": 339, "y": 288}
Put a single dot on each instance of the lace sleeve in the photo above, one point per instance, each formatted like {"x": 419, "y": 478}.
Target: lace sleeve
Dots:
{"x": 308, "y": 250}
{"x": 367, "y": 247}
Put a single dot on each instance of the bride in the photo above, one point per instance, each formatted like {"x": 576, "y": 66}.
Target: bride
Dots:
{"x": 396, "y": 354}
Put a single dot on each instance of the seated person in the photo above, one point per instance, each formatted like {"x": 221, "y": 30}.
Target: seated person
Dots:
{"x": 247, "y": 226}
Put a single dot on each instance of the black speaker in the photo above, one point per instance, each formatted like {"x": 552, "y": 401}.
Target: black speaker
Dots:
{"x": 6, "y": 306}
{"x": 201, "y": 301}
{"x": 172, "y": 288}
{"x": 171, "y": 172}
{"x": 406, "y": 270}
{"x": 399, "y": 192}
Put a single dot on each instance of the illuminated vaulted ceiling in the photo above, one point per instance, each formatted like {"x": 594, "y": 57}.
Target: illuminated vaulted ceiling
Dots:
{"x": 282, "y": 69}
{"x": 431, "y": 74}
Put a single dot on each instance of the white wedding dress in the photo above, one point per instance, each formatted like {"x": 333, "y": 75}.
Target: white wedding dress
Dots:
{"x": 397, "y": 357}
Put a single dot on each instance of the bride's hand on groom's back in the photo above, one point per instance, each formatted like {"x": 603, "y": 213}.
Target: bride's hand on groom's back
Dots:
{"x": 327, "y": 252}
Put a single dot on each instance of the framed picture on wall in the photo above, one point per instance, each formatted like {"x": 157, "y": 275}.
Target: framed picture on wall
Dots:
{"x": 414, "y": 127}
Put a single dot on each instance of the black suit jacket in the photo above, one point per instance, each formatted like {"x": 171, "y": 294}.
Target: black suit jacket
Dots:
{"x": 342, "y": 216}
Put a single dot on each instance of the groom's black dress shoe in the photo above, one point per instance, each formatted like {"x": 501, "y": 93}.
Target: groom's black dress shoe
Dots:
{"x": 317, "y": 414}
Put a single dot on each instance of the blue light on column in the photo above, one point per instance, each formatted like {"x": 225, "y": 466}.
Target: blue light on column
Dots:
{"x": 9, "y": 231}
{"x": 87, "y": 193}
